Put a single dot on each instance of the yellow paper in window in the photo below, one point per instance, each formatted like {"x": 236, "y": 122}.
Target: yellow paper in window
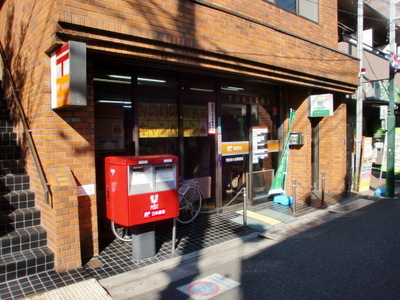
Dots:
{"x": 173, "y": 128}
{"x": 194, "y": 113}
{"x": 186, "y": 129}
{"x": 153, "y": 129}
{"x": 143, "y": 111}
{"x": 194, "y": 128}
{"x": 144, "y": 129}
{"x": 203, "y": 113}
{"x": 152, "y": 111}
{"x": 172, "y": 112}
{"x": 163, "y": 128}
{"x": 162, "y": 111}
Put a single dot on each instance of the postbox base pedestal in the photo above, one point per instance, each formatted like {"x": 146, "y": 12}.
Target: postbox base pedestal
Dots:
{"x": 143, "y": 241}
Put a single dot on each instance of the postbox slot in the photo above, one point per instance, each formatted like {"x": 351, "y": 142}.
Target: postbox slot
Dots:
{"x": 141, "y": 180}
{"x": 165, "y": 176}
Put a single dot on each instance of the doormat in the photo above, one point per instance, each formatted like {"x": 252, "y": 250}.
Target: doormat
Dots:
{"x": 264, "y": 219}
{"x": 88, "y": 289}
{"x": 208, "y": 287}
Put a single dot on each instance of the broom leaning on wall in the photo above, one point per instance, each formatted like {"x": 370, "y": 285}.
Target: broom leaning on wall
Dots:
{"x": 279, "y": 183}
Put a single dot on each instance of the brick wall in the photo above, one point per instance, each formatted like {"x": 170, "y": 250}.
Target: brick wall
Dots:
{"x": 70, "y": 220}
{"x": 262, "y": 33}
{"x": 333, "y": 151}
{"x": 262, "y": 42}
{"x": 300, "y": 156}
{"x": 332, "y": 148}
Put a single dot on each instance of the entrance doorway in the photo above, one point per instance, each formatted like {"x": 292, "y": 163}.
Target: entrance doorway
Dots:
{"x": 234, "y": 129}
{"x": 147, "y": 111}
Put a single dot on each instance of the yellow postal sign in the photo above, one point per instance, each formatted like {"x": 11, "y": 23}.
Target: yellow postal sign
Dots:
{"x": 235, "y": 148}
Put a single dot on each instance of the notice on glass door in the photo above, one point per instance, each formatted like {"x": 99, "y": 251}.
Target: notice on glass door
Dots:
{"x": 396, "y": 153}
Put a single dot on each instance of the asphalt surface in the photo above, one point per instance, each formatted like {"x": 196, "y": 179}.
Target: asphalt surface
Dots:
{"x": 356, "y": 255}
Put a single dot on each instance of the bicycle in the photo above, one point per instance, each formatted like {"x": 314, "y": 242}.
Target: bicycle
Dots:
{"x": 190, "y": 199}
{"x": 123, "y": 233}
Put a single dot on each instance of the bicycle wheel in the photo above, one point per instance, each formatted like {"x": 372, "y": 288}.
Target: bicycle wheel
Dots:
{"x": 122, "y": 233}
{"x": 189, "y": 203}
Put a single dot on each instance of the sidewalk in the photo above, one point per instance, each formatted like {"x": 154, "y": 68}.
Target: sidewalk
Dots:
{"x": 132, "y": 285}
{"x": 209, "y": 240}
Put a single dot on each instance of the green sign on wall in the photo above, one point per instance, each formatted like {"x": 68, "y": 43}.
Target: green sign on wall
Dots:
{"x": 320, "y": 105}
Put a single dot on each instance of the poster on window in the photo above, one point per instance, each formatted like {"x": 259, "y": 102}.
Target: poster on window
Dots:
{"x": 367, "y": 159}
{"x": 194, "y": 121}
{"x": 396, "y": 153}
{"x": 211, "y": 118}
{"x": 110, "y": 134}
{"x": 157, "y": 120}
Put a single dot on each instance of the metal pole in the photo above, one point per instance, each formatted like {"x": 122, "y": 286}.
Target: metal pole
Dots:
{"x": 294, "y": 196}
{"x": 173, "y": 235}
{"x": 323, "y": 190}
{"x": 249, "y": 181}
{"x": 359, "y": 106}
{"x": 244, "y": 207}
{"x": 391, "y": 118}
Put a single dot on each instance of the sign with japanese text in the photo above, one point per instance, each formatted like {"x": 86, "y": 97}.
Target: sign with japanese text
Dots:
{"x": 320, "y": 105}
{"x": 235, "y": 148}
{"x": 259, "y": 143}
{"x": 68, "y": 76}
{"x": 396, "y": 153}
{"x": 211, "y": 118}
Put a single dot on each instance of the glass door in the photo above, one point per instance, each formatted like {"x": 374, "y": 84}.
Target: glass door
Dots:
{"x": 234, "y": 129}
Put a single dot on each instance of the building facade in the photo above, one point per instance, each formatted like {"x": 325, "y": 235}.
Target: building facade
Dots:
{"x": 155, "y": 73}
{"x": 376, "y": 65}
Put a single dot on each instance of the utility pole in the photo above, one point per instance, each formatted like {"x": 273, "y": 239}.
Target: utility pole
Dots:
{"x": 391, "y": 118}
{"x": 359, "y": 94}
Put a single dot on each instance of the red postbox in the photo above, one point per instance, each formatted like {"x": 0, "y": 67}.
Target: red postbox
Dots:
{"x": 141, "y": 189}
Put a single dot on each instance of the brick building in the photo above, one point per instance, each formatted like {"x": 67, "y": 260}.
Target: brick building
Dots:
{"x": 152, "y": 70}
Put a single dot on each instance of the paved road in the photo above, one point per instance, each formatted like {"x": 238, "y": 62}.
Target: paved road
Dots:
{"x": 356, "y": 256}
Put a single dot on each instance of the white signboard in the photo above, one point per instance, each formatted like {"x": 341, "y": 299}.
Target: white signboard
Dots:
{"x": 259, "y": 143}
{"x": 211, "y": 118}
{"x": 86, "y": 190}
{"x": 320, "y": 105}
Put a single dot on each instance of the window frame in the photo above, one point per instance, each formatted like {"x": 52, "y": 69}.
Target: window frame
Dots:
{"x": 299, "y": 6}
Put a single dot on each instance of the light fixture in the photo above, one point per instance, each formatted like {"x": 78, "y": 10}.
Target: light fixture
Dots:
{"x": 124, "y": 79}
{"x": 232, "y": 88}
{"x": 111, "y": 80}
{"x": 113, "y": 101}
{"x": 120, "y": 76}
{"x": 201, "y": 90}
{"x": 151, "y": 80}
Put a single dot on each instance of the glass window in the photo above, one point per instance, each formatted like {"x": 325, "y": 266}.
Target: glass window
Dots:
{"x": 289, "y": 5}
{"x": 304, "y": 8}
{"x": 113, "y": 106}
{"x": 157, "y": 113}
{"x": 198, "y": 143}
{"x": 309, "y": 9}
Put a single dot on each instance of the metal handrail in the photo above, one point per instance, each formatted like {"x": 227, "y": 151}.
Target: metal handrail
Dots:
{"x": 25, "y": 125}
